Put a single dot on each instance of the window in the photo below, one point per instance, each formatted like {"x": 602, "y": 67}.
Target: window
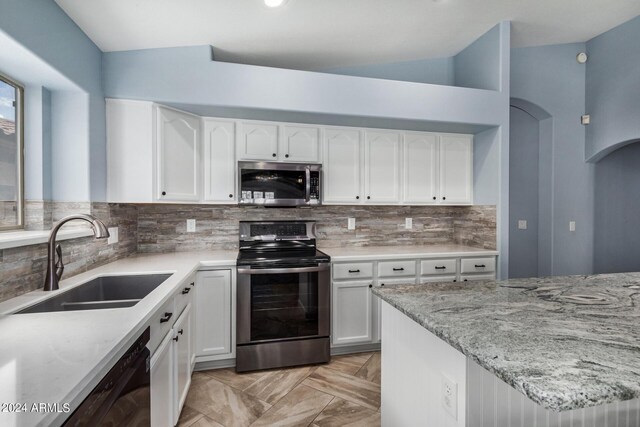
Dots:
{"x": 11, "y": 156}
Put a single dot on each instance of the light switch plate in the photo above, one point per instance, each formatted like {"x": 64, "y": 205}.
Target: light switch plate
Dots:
{"x": 572, "y": 226}
{"x": 191, "y": 226}
{"x": 113, "y": 235}
{"x": 522, "y": 224}
{"x": 351, "y": 223}
{"x": 408, "y": 223}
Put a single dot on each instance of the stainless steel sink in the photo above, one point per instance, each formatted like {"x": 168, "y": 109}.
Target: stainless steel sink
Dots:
{"x": 100, "y": 293}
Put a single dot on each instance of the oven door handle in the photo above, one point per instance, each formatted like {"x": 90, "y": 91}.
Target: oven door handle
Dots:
{"x": 320, "y": 267}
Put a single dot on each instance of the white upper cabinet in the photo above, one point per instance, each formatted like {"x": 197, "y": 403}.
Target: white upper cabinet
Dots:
{"x": 382, "y": 167}
{"x": 300, "y": 144}
{"x": 219, "y": 161}
{"x": 456, "y": 169}
{"x": 129, "y": 151}
{"x": 177, "y": 146}
{"x": 420, "y": 168}
{"x": 341, "y": 167}
{"x": 258, "y": 141}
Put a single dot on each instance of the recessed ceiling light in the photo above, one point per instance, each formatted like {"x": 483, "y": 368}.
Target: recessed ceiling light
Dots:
{"x": 274, "y": 3}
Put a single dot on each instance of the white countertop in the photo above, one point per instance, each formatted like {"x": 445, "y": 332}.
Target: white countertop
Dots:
{"x": 60, "y": 357}
{"x": 403, "y": 252}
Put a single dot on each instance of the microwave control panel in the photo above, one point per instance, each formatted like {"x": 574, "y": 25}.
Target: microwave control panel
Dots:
{"x": 314, "y": 193}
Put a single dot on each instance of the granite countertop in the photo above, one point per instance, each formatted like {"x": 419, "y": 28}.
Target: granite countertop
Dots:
{"x": 565, "y": 342}
{"x": 60, "y": 357}
{"x": 403, "y": 252}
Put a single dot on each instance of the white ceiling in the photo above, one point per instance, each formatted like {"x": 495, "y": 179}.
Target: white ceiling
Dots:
{"x": 316, "y": 34}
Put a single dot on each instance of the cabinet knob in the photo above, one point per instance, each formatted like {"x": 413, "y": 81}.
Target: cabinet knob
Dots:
{"x": 192, "y": 283}
{"x": 371, "y": 286}
{"x": 164, "y": 193}
{"x": 381, "y": 284}
{"x": 231, "y": 196}
{"x": 185, "y": 291}
{"x": 273, "y": 155}
{"x": 175, "y": 339}
{"x": 166, "y": 317}
{"x": 286, "y": 155}
{"x": 357, "y": 197}
{"x": 444, "y": 198}
{"x": 181, "y": 331}
{"x": 368, "y": 197}
{"x": 434, "y": 197}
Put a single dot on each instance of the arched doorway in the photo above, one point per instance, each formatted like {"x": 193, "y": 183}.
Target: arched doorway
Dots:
{"x": 530, "y": 181}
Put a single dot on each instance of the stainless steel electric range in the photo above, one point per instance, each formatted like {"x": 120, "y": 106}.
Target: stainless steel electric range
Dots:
{"x": 284, "y": 283}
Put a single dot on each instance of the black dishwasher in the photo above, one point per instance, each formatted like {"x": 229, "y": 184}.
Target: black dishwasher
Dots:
{"x": 123, "y": 396}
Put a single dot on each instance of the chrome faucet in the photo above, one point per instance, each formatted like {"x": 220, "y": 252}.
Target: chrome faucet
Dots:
{"x": 55, "y": 267}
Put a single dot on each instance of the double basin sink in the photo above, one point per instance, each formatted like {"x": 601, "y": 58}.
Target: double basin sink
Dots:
{"x": 100, "y": 293}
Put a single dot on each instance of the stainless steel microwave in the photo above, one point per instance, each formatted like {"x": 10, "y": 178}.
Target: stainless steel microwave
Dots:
{"x": 279, "y": 184}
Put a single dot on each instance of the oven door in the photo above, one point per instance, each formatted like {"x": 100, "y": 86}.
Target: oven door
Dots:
{"x": 283, "y": 304}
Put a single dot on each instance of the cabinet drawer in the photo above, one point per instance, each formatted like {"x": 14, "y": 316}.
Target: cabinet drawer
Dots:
{"x": 353, "y": 270}
{"x": 478, "y": 265}
{"x": 161, "y": 323}
{"x": 476, "y": 277}
{"x": 184, "y": 295}
{"x": 438, "y": 279}
{"x": 396, "y": 268}
{"x": 438, "y": 266}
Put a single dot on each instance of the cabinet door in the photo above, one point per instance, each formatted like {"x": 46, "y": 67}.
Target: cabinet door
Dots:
{"x": 258, "y": 141}
{"x": 456, "y": 169}
{"x": 219, "y": 161}
{"x": 382, "y": 167}
{"x": 300, "y": 144}
{"x": 352, "y": 317}
{"x": 420, "y": 168}
{"x": 162, "y": 384}
{"x": 129, "y": 151}
{"x": 177, "y": 150}
{"x": 342, "y": 172}
{"x": 214, "y": 301}
{"x": 182, "y": 359}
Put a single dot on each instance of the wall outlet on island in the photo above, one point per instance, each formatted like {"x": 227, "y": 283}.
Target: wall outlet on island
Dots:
{"x": 191, "y": 226}
{"x": 450, "y": 396}
{"x": 113, "y": 235}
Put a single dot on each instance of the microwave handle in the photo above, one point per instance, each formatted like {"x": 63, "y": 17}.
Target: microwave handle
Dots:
{"x": 307, "y": 197}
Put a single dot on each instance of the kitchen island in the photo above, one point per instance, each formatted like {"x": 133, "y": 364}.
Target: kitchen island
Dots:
{"x": 525, "y": 352}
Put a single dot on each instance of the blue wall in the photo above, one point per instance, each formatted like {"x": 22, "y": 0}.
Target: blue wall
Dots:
{"x": 613, "y": 89}
{"x": 44, "y": 34}
{"x": 478, "y": 66}
{"x": 438, "y": 71}
{"x": 617, "y": 211}
{"x": 551, "y": 78}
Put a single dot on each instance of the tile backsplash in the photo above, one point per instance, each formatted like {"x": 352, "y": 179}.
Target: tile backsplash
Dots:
{"x": 162, "y": 228}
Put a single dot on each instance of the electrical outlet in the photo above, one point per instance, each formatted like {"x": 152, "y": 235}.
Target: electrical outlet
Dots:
{"x": 351, "y": 223}
{"x": 113, "y": 235}
{"x": 522, "y": 224}
{"x": 572, "y": 226}
{"x": 408, "y": 223}
{"x": 191, "y": 226}
{"x": 450, "y": 396}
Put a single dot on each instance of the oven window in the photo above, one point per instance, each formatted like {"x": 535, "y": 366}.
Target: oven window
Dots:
{"x": 284, "y": 184}
{"x": 284, "y": 306}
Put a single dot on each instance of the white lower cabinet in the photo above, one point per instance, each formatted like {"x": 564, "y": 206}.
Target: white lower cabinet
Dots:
{"x": 181, "y": 341}
{"x": 171, "y": 365}
{"x": 215, "y": 315}
{"x": 351, "y": 320}
{"x": 162, "y": 380}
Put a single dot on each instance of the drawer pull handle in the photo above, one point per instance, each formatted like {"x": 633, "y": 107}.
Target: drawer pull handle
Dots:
{"x": 398, "y": 269}
{"x": 441, "y": 268}
{"x": 181, "y": 331}
{"x": 186, "y": 291}
{"x": 192, "y": 283}
{"x": 175, "y": 339}
{"x": 354, "y": 271}
{"x": 166, "y": 317}
{"x": 480, "y": 266}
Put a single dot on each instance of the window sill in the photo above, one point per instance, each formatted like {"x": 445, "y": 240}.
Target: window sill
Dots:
{"x": 15, "y": 239}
